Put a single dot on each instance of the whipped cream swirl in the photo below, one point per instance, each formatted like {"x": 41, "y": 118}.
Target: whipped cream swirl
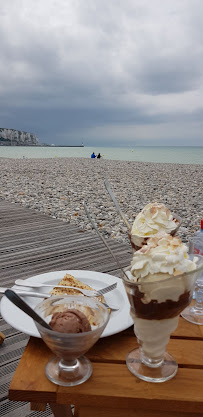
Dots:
{"x": 163, "y": 254}
{"x": 159, "y": 269}
{"x": 153, "y": 218}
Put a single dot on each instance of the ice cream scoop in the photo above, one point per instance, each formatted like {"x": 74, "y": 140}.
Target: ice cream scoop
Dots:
{"x": 70, "y": 321}
{"x": 154, "y": 218}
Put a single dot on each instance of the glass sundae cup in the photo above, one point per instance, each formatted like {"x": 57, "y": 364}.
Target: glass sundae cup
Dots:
{"x": 194, "y": 312}
{"x": 155, "y": 308}
{"x": 69, "y": 367}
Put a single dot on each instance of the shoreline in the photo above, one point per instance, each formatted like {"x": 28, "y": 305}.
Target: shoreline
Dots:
{"x": 58, "y": 186}
{"x": 183, "y": 155}
{"x": 87, "y": 158}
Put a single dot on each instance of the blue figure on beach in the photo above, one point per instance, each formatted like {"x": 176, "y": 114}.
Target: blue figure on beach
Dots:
{"x": 93, "y": 155}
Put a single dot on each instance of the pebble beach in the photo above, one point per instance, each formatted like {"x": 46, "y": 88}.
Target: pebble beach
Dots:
{"x": 58, "y": 187}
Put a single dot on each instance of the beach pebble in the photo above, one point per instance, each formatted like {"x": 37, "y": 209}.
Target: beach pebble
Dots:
{"x": 58, "y": 187}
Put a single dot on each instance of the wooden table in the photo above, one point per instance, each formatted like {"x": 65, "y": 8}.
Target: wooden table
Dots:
{"x": 112, "y": 390}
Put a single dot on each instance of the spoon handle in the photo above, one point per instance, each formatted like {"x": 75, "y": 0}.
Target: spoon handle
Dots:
{"x": 108, "y": 188}
{"x": 104, "y": 241}
{"x": 15, "y": 299}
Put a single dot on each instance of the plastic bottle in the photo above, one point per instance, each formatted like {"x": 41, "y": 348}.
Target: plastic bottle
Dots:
{"x": 198, "y": 241}
{"x": 194, "y": 312}
{"x": 198, "y": 249}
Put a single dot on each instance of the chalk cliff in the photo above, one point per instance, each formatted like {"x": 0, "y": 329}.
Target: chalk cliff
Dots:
{"x": 12, "y": 137}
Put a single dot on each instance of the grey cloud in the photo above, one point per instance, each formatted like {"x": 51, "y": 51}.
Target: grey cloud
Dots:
{"x": 90, "y": 64}
{"x": 169, "y": 77}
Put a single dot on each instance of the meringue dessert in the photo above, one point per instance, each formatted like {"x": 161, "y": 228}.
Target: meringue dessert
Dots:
{"x": 154, "y": 218}
{"x": 71, "y": 281}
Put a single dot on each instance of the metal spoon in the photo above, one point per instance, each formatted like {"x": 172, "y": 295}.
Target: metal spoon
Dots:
{"x": 15, "y": 299}
{"x": 108, "y": 188}
{"x": 103, "y": 240}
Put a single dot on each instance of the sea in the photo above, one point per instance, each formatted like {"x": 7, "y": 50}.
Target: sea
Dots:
{"x": 157, "y": 154}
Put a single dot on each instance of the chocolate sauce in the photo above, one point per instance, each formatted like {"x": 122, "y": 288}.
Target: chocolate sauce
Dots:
{"x": 158, "y": 311}
{"x": 135, "y": 247}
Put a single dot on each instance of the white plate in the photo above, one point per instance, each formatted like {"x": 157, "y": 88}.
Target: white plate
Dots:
{"x": 119, "y": 320}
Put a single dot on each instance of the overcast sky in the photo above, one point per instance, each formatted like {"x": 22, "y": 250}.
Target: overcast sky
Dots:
{"x": 105, "y": 72}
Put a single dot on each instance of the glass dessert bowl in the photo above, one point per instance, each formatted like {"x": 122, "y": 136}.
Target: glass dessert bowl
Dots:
{"x": 69, "y": 367}
{"x": 156, "y": 301}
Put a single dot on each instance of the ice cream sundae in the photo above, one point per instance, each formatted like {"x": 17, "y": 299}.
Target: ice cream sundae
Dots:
{"x": 154, "y": 218}
{"x": 71, "y": 336}
{"x": 161, "y": 281}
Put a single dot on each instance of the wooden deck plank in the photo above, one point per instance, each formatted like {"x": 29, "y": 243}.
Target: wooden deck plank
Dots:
{"x": 32, "y": 243}
{"x": 188, "y": 353}
{"x": 110, "y": 377}
{"x": 106, "y": 381}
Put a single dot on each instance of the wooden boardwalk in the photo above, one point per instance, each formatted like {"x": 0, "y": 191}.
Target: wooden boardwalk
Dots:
{"x": 32, "y": 243}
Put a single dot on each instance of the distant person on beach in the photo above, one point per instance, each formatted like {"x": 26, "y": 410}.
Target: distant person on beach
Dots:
{"x": 99, "y": 155}
{"x": 93, "y": 155}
